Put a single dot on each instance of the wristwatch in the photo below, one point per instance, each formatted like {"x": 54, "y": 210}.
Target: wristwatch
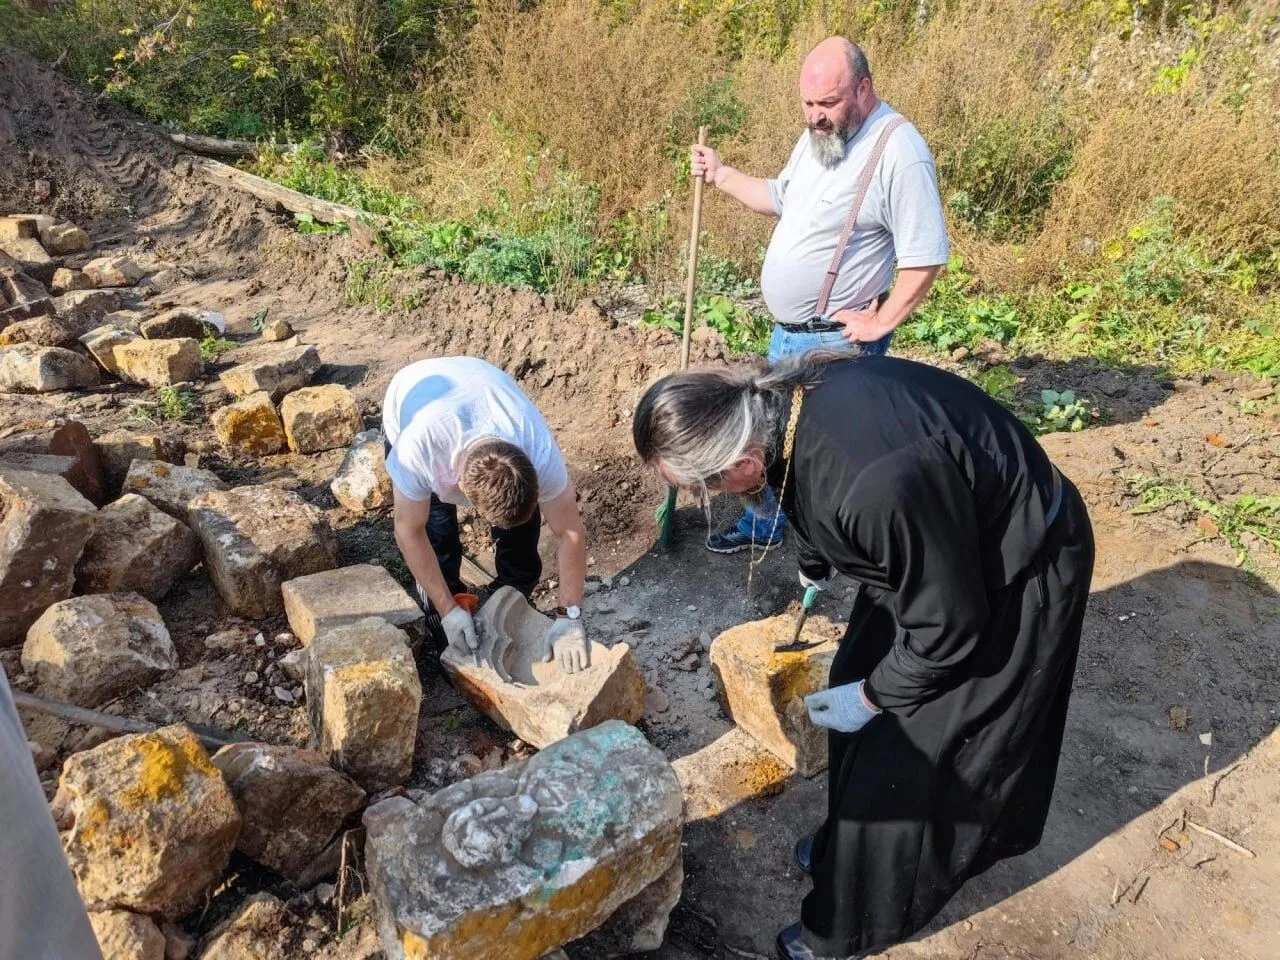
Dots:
{"x": 572, "y": 613}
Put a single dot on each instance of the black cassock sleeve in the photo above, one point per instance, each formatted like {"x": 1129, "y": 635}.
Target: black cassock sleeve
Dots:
{"x": 909, "y": 523}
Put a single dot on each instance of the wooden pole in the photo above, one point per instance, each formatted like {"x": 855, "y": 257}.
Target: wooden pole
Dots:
{"x": 692, "y": 281}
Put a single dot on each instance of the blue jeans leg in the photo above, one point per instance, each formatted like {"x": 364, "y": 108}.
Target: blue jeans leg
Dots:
{"x": 782, "y": 345}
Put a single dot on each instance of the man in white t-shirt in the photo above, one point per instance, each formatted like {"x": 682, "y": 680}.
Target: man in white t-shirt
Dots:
{"x": 461, "y": 433}
{"x": 900, "y": 221}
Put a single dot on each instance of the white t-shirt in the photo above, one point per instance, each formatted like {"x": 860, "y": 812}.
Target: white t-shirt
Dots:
{"x": 901, "y": 217}
{"x": 436, "y": 408}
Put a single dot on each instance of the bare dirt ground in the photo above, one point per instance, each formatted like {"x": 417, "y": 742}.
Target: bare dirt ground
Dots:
{"x": 1179, "y": 678}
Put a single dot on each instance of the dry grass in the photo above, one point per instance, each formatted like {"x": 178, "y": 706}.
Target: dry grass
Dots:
{"x": 1059, "y": 121}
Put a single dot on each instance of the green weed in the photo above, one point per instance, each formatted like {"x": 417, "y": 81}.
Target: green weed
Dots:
{"x": 172, "y": 404}
{"x": 743, "y": 331}
{"x": 213, "y": 346}
{"x": 368, "y": 283}
{"x": 1229, "y": 520}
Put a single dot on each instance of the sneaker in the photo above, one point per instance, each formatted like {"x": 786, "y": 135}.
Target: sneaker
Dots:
{"x": 732, "y": 541}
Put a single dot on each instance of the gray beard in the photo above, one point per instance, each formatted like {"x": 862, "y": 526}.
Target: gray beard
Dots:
{"x": 828, "y": 148}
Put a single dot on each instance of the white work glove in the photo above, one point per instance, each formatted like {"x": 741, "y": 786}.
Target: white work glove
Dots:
{"x": 460, "y": 629}
{"x": 816, "y": 584}
{"x": 567, "y": 643}
{"x": 842, "y": 708}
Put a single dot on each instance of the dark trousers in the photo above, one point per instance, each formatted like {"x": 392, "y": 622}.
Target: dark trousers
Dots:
{"x": 516, "y": 549}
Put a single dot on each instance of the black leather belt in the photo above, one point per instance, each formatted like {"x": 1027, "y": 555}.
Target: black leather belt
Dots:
{"x": 823, "y": 325}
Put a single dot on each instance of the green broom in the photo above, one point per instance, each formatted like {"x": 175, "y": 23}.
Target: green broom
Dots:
{"x": 666, "y": 511}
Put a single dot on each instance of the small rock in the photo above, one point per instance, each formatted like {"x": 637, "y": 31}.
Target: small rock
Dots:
{"x": 170, "y": 487}
{"x": 259, "y": 930}
{"x": 152, "y": 822}
{"x": 692, "y": 608}
{"x": 624, "y": 581}
{"x": 309, "y": 945}
{"x": 277, "y": 330}
{"x": 63, "y": 239}
{"x": 288, "y": 370}
{"x": 592, "y": 587}
{"x": 26, "y": 368}
{"x": 44, "y": 525}
{"x": 689, "y": 662}
{"x": 179, "y": 323}
{"x": 704, "y": 640}
{"x": 294, "y": 664}
{"x": 655, "y": 701}
{"x": 959, "y": 354}
{"x": 127, "y": 936}
{"x": 113, "y": 272}
{"x": 136, "y": 547}
{"x": 1206, "y": 739}
{"x": 225, "y": 640}
{"x": 320, "y": 418}
{"x": 66, "y": 280}
{"x": 88, "y": 650}
{"x": 362, "y": 483}
{"x": 282, "y": 694}
{"x": 251, "y": 677}
{"x": 249, "y": 427}
{"x": 159, "y": 363}
{"x": 292, "y": 802}
{"x": 325, "y": 893}
{"x": 708, "y": 693}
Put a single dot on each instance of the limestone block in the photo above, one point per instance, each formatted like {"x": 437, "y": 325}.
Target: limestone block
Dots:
{"x": 136, "y": 547}
{"x": 62, "y": 239}
{"x": 44, "y": 525}
{"x": 149, "y": 824}
{"x": 119, "y": 448}
{"x": 256, "y": 538}
{"x": 730, "y": 770}
{"x": 259, "y": 930}
{"x": 43, "y": 331}
{"x": 87, "y": 308}
{"x": 287, "y": 369}
{"x": 249, "y": 427}
{"x": 25, "y": 311}
{"x": 18, "y": 288}
{"x": 114, "y": 272}
{"x": 66, "y": 280}
{"x": 320, "y": 418}
{"x": 764, "y": 691}
{"x": 30, "y": 256}
{"x": 277, "y": 330}
{"x": 172, "y": 324}
{"x": 363, "y": 693}
{"x": 515, "y": 862}
{"x": 27, "y": 368}
{"x": 159, "y": 363}
{"x": 335, "y": 598}
{"x": 101, "y": 342}
{"x": 88, "y": 650}
{"x": 169, "y": 486}
{"x": 18, "y": 228}
{"x": 127, "y": 936}
{"x": 362, "y": 482}
{"x": 291, "y": 801}
{"x": 533, "y": 699}
{"x": 61, "y": 439}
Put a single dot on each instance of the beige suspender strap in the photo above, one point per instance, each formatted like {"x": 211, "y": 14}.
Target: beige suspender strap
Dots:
{"x": 859, "y": 195}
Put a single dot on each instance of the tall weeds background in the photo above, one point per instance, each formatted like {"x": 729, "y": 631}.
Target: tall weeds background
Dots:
{"x": 1110, "y": 168}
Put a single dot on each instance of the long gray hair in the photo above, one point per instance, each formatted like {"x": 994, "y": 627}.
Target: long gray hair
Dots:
{"x": 697, "y": 424}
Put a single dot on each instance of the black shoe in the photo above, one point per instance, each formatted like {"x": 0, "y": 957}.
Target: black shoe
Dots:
{"x": 732, "y": 541}
{"x": 804, "y": 854}
{"x": 791, "y": 946}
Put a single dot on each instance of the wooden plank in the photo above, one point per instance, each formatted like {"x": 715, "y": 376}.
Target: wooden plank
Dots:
{"x": 282, "y": 198}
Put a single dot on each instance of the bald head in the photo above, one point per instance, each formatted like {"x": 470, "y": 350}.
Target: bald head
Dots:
{"x": 837, "y": 93}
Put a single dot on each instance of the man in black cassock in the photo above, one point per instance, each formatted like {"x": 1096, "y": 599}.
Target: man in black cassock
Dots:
{"x": 948, "y": 696}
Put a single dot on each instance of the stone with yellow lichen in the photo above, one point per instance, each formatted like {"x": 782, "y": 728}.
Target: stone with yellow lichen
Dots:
{"x": 320, "y": 418}
{"x": 169, "y": 486}
{"x": 249, "y": 427}
{"x": 159, "y": 363}
{"x": 148, "y": 822}
{"x": 363, "y": 692}
{"x": 515, "y": 862}
{"x": 764, "y": 690}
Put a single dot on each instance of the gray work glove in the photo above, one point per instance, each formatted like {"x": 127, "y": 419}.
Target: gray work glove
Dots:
{"x": 567, "y": 644}
{"x": 460, "y": 630}
{"x": 842, "y": 708}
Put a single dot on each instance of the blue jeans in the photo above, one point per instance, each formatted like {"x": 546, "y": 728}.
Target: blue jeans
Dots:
{"x": 784, "y": 344}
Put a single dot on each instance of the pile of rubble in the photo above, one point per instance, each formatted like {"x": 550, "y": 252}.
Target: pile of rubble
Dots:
{"x": 96, "y": 531}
